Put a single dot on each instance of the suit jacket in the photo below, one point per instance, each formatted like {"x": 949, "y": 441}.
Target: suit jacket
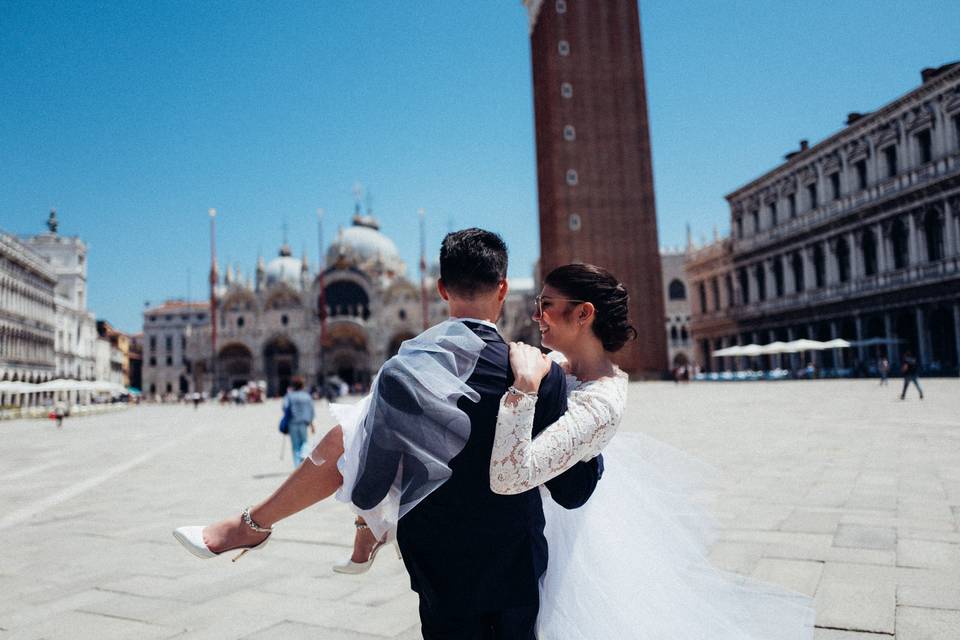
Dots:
{"x": 467, "y": 549}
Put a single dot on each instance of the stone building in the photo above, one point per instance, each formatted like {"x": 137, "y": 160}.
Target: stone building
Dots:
{"x": 855, "y": 237}
{"x": 269, "y": 326}
{"x": 27, "y": 314}
{"x": 120, "y": 343}
{"x": 168, "y": 368}
{"x": 75, "y": 332}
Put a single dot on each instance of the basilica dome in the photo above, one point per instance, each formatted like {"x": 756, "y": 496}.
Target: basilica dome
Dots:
{"x": 363, "y": 245}
{"x": 284, "y": 268}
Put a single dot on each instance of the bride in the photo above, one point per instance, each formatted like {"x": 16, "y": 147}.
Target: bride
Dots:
{"x": 632, "y": 562}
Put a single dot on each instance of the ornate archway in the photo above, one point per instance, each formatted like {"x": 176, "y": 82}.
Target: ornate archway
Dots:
{"x": 280, "y": 363}
{"x": 346, "y": 355}
{"x": 234, "y": 366}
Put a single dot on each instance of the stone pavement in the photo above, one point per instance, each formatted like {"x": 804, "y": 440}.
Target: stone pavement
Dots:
{"x": 832, "y": 488}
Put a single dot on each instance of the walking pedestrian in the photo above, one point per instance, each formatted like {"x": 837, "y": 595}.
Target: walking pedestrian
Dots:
{"x": 300, "y": 406}
{"x": 910, "y": 370}
{"x": 884, "y": 368}
{"x": 59, "y": 411}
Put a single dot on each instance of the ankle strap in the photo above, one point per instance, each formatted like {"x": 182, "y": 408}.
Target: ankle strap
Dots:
{"x": 245, "y": 514}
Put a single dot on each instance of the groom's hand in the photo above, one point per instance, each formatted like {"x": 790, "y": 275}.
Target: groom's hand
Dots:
{"x": 529, "y": 366}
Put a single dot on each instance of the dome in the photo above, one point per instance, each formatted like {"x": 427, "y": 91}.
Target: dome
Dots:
{"x": 363, "y": 245}
{"x": 284, "y": 268}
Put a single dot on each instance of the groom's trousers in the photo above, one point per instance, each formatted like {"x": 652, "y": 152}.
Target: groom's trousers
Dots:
{"x": 508, "y": 624}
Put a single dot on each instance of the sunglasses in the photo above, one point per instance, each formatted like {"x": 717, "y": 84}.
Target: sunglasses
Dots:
{"x": 539, "y": 300}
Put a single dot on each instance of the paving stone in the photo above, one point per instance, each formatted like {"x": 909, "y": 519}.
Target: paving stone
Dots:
{"x": 806, "y": 521}
{"x": 928, "y": 554}
{"x": 796, "y": 575}
{"x": 927, "y": 624}
{"x": 913, "y": 596}
{"x": 861, "y": 537}
{"x": 856, "y": 607}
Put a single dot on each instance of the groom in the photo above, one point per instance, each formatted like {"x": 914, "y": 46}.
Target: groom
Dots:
{"x": 474, "y": 557}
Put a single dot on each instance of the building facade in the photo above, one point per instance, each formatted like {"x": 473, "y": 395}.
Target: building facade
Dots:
{"x": 594, "y": 170}
{"x": 76, "y": 332}
{"x": 27, "y": 314}
{"x": 856, "y": 237}
{"x": 343, "y": 321}
{"x": 676, "y": 303}
{"x": 168, "y": 367}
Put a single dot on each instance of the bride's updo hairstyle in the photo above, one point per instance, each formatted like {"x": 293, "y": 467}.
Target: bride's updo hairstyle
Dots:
{"x": 609, "y": 297}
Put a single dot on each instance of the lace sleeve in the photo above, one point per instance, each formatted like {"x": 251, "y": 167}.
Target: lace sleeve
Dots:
{"x": 521, "y": 462}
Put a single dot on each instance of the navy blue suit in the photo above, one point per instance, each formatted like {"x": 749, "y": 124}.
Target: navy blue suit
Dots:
{"x": 475, "y": 557}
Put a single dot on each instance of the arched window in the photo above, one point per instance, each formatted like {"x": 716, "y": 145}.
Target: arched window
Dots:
{"x": 683, "y": 334}
{"x": 843, "y": 260}
{"x": 676, "y": 290}
{"x": 933, "y": 230}
{"x": 347, "y": 299}
{"x": 898, "y": 240}
{"x": 796, "y": 264}
{"x": 673, "y": 334}
{"x": 819, "y": 266}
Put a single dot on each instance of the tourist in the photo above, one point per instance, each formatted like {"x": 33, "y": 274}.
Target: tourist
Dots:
{"x": 910, "y": 369}
{"x": 884, "y": 368}
{"x": 298, "y": 407}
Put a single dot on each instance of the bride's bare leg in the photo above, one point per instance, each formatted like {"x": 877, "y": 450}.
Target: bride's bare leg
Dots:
{"x": 308, "y": 484}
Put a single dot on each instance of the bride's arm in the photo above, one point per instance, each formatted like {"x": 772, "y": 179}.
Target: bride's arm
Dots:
{"x": 521, "y": 462}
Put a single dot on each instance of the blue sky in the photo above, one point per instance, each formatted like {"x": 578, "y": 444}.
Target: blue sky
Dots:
{"x": 133, "y": 118}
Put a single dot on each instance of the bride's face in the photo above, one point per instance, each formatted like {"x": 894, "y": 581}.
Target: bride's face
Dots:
{"x": 557, "y": 316}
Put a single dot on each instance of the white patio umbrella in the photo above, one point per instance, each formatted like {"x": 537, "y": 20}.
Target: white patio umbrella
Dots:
{"x": 17, "y": 387}
{"x": 774, "y": 348}
{"x": 735, "y": 350}
{"x": 807, "y": 345}
{"x": 836, "y": 343}
{"x": 751, "y": 350}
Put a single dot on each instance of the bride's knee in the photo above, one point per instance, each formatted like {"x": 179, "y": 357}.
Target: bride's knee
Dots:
{"x": 331, "y": 445}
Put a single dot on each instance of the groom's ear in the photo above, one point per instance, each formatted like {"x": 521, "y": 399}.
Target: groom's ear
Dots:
{"x": 502, "y": 289}
{"x": 442, "y": 290}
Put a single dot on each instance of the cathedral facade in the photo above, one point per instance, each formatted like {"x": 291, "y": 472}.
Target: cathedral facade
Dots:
{"x": 342, "y": 321}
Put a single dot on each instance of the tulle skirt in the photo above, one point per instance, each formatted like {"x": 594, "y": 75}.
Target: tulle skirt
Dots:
{"x": 632, "y": 563}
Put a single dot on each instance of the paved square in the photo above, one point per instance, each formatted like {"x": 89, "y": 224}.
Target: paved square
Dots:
{"x": 835, "y": 489}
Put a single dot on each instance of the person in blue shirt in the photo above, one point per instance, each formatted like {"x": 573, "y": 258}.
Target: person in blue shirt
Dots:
{"x": 299, "y": 404}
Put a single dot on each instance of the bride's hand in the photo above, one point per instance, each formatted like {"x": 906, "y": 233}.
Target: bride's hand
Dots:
{"x": 529, "y": 366}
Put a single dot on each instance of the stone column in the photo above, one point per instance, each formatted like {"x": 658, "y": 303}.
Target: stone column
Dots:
{"x": 789, "y": 286}
{"x": 837, "y": 353}
{"x": 893, "y": 348}
{"x": 831, "y": 272}
{"x": 956, "y": 328}
{"x": 856, "y": 271}
{"x": 949, "y": 233}
{"x": 913, "y": 244}
{"x": 771, "y": 279}
{"x": 813, "y": 356}
{"x": 791, "y": 336}
{"x": 881, "y": 245}
{"x": 809, "y": 277}
{"x": 858, "y": 327}
{"x": 923, "y": 356}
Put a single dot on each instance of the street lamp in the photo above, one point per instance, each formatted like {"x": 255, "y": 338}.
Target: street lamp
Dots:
{"x": 213, "y": 301}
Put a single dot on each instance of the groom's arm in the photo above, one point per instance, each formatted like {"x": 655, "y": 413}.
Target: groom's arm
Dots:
{"x": 573, "y": 487}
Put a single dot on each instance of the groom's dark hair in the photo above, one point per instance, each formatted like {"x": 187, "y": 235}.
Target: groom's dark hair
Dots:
{"x": 472, "y": 261}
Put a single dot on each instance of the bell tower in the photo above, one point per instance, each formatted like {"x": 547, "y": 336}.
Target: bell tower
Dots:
{"x": 594, "y": 169}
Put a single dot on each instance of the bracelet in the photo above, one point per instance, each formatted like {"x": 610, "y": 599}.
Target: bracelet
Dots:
{"x": 524, "y": 394}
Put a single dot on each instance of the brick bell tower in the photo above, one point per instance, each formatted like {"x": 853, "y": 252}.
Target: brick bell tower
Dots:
{"x": 594, "y": 171}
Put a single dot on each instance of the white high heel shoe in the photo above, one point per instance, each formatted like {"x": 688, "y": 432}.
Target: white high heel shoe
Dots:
{"x": 356, "y": 568}
{"x": 192, "y": 539}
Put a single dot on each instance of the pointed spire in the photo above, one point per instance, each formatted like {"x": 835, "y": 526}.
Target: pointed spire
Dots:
{"x": 228, "y": 279}
{"x": 689, "y": 237}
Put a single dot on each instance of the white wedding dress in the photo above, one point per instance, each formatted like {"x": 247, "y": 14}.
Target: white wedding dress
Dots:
{"x": 632, "y": 563}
